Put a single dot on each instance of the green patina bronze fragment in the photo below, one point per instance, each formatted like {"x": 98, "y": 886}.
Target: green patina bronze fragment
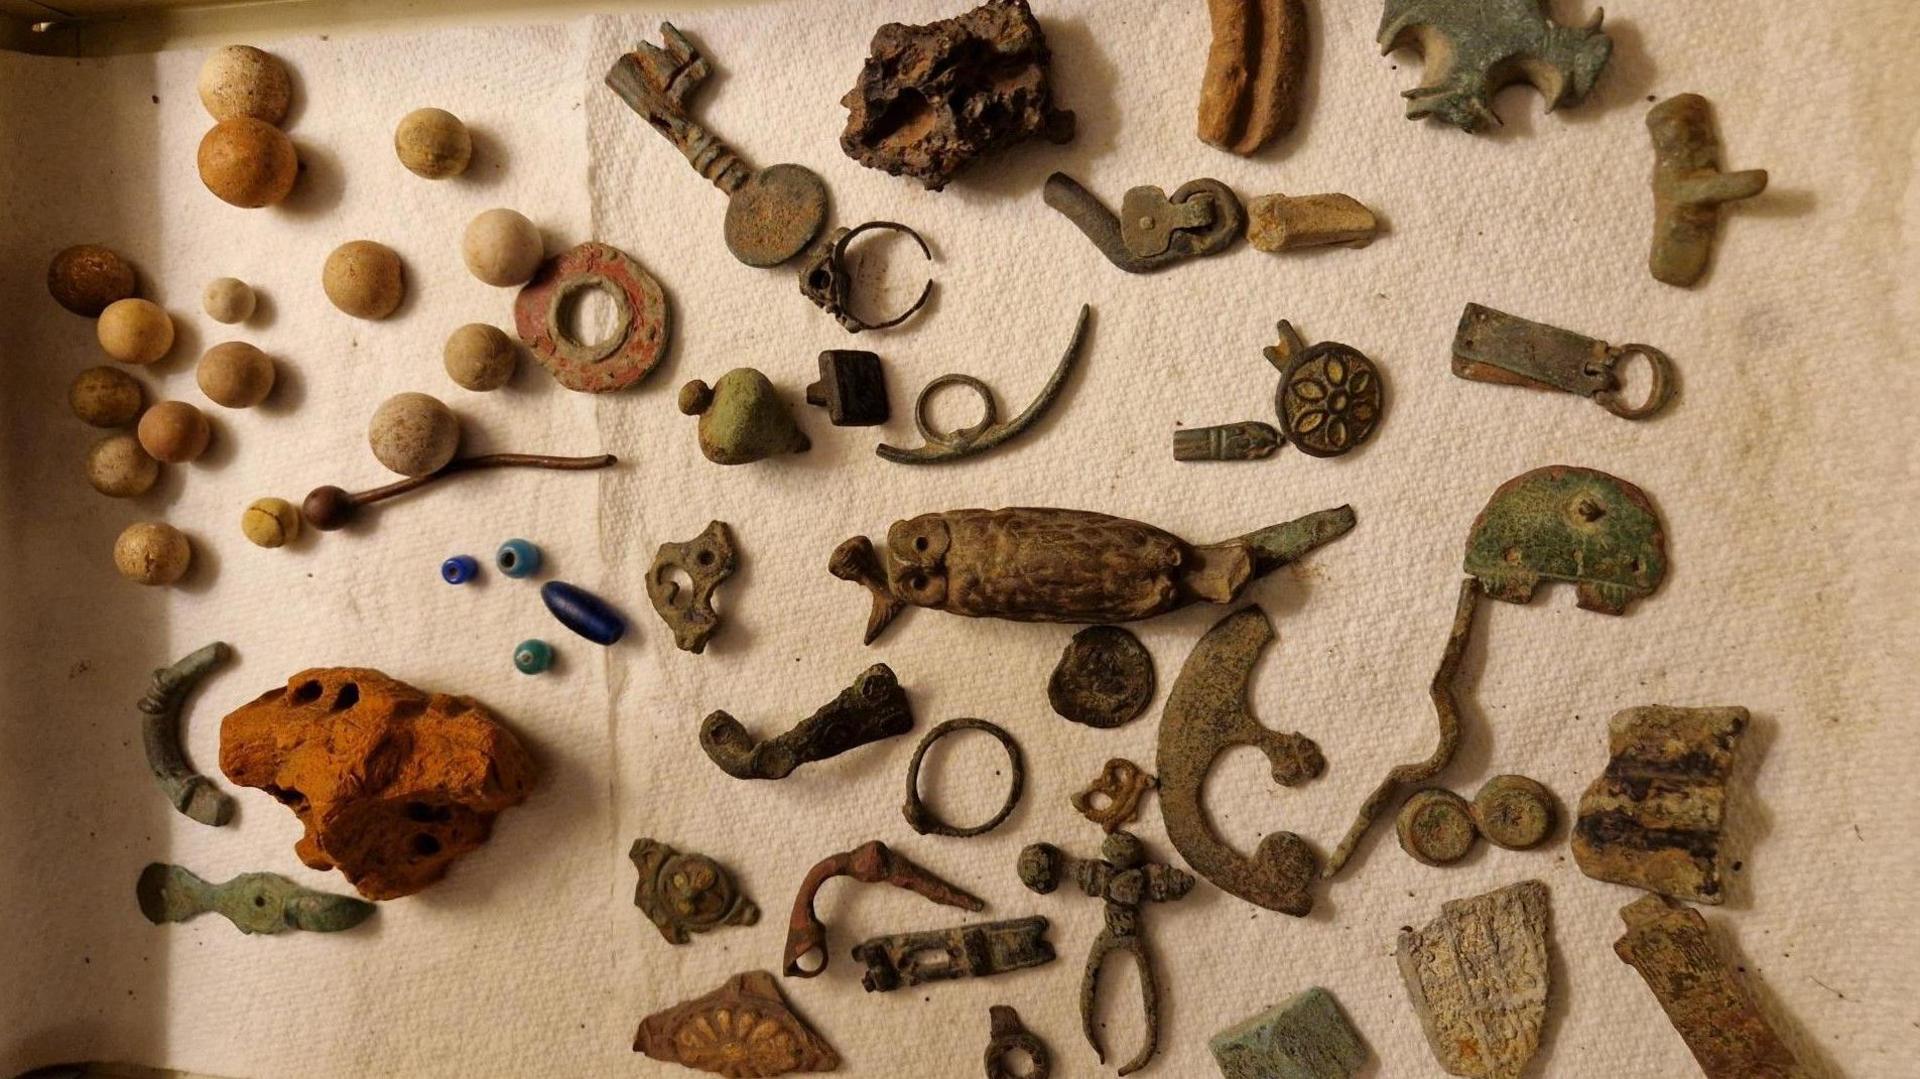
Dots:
{"x": 1305, "y": 1037}
{"x": 742, "y": 418}
{"x": 1569, "y": 524}
{"x": 255, "y": 902}
{"x": 1689, "y": 188}
{"x": 1473, "y": 48}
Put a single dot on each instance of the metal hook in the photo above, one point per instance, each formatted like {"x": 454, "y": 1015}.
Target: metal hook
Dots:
{"x": 1201, "y": 217}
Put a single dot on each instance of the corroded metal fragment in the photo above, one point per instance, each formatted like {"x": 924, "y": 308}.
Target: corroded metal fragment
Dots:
{"x": 253, "y": 902}
{"x": 1514, "y": 812}
{"x": 1493, "y": 346}
{"x": 1689, "y": 188}
{"x": 826, "y": 281}
{"x": 965, "y": 951}
{"x": 852, "y": 388}
{"x": 942, "y": 446}
{"x": 1104, "y": 678}
{"x": 1207, "y": 714}
{"x": 1436, "y": 827}
{"x": 1330, "y": 396}
{"x": 1289, "y": 222}
{"x": 1201, "y": 217}
{"x": 1472, "y": 48}
{"x": 193, "y": 794}
{"x": 545, "y": 310}
{"x": 872, "y": 862}
{"x": 681, "y": 892}
{"x": 1249, "y": 440}
{"x": 924, "y": 820}
{"x": 1112, "y": 800}
{"x": 1653, "y": 818}
{"x": 1479, "y": 978}
{"x": 872, "y": 708}
{"x": 932, "y": 98}
{"x": 1255, "y": 64}
{"x": 1563, "y": 523}
{"x": 1305, "y": 1037}
{"x": 1125, "y": 882}
{"x": 1057, "y": 565}
{"x": 743, "y": 1030}
{"x": 706, "y": 560}
{"x": 1006, "y": 1034}
{"x": 1714, "y": 1012}
{"x": 742, "y": 418}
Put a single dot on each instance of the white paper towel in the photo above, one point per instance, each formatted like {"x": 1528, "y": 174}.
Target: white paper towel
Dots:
{"x": 1783, "y": 473}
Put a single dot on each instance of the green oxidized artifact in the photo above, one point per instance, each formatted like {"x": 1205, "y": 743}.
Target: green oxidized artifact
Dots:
{"x": 1569, "y": 524}
{"x": 193, "y": 794}
{"x": 1472, "y": 48}
{"x": 742, "y": 418}
{"x": 1305, "y": 1037}
{"x": 1689, "y": 188}
{"x": 255, "y": 902}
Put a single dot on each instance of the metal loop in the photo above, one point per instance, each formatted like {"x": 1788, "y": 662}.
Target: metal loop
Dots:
{"x": 922, "y": 820}
{"x": 838, "y": 259}
{"x": 1657, "y": 396}
{"x": 961, "y": 436}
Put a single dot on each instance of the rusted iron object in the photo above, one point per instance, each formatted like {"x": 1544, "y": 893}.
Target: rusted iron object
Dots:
{"x": 1255, "y": 65}
{"x": 1112, "y": 800}
{"x": 682, "y": 893}
{"x": 872, "y": 708}
{"x": 1446, "y": 707}
{"x": 1201, "y": 217}
{"x": 193, "y": 794}
{"x": 1125, "y": 882}
{"x": 1207, "y": 714}
{"x": 965, "y": 951}
{"x": 1689, "y": 188}
{"x": 545, "y": 317}
{"x": 1436, "y": 827}
{"x": 1304, "y": 1037}
{"x": 1479, "y": 979}
{"x": 743, "y": 1030}
{"x": 1057, "y": 565}
{"x": 1672, "y": 948}
{"x": 253, "y": 902}
{"x": 1562, "y": 523}
{"x": 826, "y": 281}
{"x": 943, "y": 446}
{"x": 772, "y": 213}
{"x": 706, "y": 561}
{"x": 1330, "y": 396}
{"x": 930, "y": 99}
{"x": 1249, "y": 440}
{"x": 1104, "y": 678}
{"x": 872, "y": 862}
{"x": 1653, "y": 818}
{"x": 1473, "y": 48}
{"x": 924, "y": 820}
{"x": 1291, "y": 222}
{"x": 1493, "y": 346}
{"x": 1007, "y": 1035}
{"x": 1514, "y": 812}
{"x": 852, "y": 388}
{"x": 328, "y": 508}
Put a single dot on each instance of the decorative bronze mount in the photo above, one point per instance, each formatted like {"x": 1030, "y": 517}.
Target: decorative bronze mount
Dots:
{"x": 707, "y": 560}
{"x": 966, "y": 951}
{"x": 872, "y": 708}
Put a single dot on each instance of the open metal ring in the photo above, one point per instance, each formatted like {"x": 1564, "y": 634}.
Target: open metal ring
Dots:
{"x": 838, "y": 258}
{"x": 1657, "y": 396}
{"x": 922, "y": 820}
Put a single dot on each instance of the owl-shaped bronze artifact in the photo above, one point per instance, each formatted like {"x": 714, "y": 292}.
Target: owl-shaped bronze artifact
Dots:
{"x": 1056, "y": 565}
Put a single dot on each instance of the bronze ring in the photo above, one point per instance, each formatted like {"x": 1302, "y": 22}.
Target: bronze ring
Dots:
{"x": 922, "y": 820}
{"x": 838, "y": 258}
{"x": 964, "y": 436}
{"x": 1657, "y": 397}
{"x": 1021, "y": 1040}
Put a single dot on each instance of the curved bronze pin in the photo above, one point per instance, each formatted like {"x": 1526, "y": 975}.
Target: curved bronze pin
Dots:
{"x": 1201, "y": 217}
{"x": 945, "y": 446}
{"x": 1206, "y": 715}
{"x": 328, "y": 508}
{"x": 872, "y": 708}
{"x": 193, "y": 794}
{"x": 871, "y": 862}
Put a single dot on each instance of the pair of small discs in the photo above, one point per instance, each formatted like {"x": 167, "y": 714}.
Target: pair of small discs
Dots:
{"x": 1438, "y": 827}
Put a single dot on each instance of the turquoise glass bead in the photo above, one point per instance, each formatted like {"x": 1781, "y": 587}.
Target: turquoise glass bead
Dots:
{"x": 459, "y": 569}
{"x": 517, "y": 558}
{"x": 532, "y": 656}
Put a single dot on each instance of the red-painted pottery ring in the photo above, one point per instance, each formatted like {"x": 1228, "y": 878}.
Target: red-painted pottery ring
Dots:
{"x": 641, "y": 323}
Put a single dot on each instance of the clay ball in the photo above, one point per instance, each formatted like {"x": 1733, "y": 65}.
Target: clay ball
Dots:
{"x": 248, "y": 163}
{"x": 364, "y": 279}
{"x": 433, "y": 143}
{"x": 240, "y": 80}
{"x": 270, "y": 522}
{"x": 480, "y": 357}
{"x": 502, "y": 248}
{"x": 152, "y": 552}
{"x": 414, "y": 434}
{"x": 105, "y": 397}
{"x": 174, "y": 432}
{"x": 85, "y": 278}
{"x": 228, "y": 300}
{"x": 118, "y": 468}
{"x": 135, "y": 331}
{"x": 235, "y": 374}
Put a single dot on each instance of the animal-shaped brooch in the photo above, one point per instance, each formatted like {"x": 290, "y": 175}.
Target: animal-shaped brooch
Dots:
{"x": 1056, "y": 565}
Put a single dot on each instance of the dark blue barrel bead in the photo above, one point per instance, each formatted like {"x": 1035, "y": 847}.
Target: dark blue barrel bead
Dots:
{"x": 583, "y": 612}
{"x": 459, "y": 569}
{"x": 517, "y": 558}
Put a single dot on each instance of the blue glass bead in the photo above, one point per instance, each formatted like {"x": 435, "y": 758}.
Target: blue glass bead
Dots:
{"x": 517, "y": 558}
{"x": 459, "y": 569}
{"x": 532, "y": 656}
{"x": 583, "y": 612}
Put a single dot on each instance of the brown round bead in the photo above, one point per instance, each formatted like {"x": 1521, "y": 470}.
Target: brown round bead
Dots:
{"x": 480, "y": 357}
{"x": 174, "y": 432}
{"x": 414, "y": 434}
{"x": 152, "y": 552}
{"x": 105, "y": 396}
{"x": 118, "y": 468}
{"x": 1514, "y": 812}
{"x": 85, "y": 278}
{"x": 235, "y": 374}
{"x": 327, "y": 508}
{"x": 248, "y": 163}
{"x": 240, "y": 80}
{"x": 135, "y": 331}
{"x": 364, "y": 279}
{"x": 1436, "y": 827}
{"x": 228, "y": 300}
{"x": 433, "y": 143}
